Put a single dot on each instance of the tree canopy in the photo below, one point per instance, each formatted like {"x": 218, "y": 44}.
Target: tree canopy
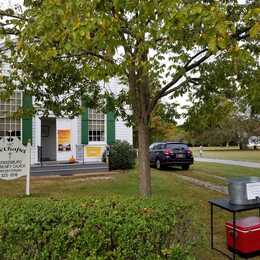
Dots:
{"x": 225, "y": 100}
{"x": 163, "y": 122}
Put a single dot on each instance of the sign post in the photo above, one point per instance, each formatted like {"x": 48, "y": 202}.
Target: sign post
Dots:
{"x": 29, "y": 149}
{"x": 15, "y": 160}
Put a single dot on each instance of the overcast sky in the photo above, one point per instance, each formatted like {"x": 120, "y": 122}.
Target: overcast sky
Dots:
{"x": 6, "y": 3}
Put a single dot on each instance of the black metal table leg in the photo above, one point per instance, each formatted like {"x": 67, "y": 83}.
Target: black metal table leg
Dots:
{"x": 211, "y": 225}
{"x": 234, "y": 235}
{"x": 83, "y": 154}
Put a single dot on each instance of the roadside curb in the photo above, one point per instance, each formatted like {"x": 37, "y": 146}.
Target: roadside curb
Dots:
{"x": 204, "y": 184}
{"x": 76, "y": 176}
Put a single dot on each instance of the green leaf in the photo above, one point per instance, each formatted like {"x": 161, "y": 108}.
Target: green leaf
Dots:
{"x": 212, "y": 43}
{"x": 255, "y": 31}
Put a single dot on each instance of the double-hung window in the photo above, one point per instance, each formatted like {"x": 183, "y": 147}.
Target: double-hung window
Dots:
{"x": 96, "y": 126}
{"x": 10, "y": 126}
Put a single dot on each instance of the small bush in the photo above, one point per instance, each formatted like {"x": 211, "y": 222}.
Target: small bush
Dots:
{"x": 122, "y": 155}
{"x": 95, "y": 229}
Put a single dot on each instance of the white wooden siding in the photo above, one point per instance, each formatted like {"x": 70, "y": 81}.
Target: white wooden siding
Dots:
{"x": 123, "y": 132}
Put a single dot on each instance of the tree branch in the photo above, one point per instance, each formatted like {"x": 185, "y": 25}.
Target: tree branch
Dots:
{"x": 88, "y": 53}
{"x": 198, "y": 62}
{"x": 175, "y": 88}
{"x": 9, "y": 31}
{"x": 195, "y": 56}
{"x": 4, "y": 49}
{"x": 194, "y": 81}
{"x": 241, "y": 33}
{"x": 187, "y": 67}
{"x": 6, "y": 13}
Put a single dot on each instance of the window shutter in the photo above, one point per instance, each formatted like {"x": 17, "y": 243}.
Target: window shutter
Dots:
{"x": 27, "y": 121}
{"x": 84, "y": 124}
{"x": 111, "y": 128}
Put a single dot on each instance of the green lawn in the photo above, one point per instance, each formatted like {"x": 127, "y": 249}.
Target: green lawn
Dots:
{"x": 166, "y": 185}
{"x": 232, "y": 153}
{"x": 220, "y": 170}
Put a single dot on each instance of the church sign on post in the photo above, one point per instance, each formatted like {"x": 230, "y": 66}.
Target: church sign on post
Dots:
{"x": 15, "y": 160}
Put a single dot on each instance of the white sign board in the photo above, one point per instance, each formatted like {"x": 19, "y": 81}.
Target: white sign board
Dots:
{"x": 253, "y": 190}
{"x": 14, "y": 160}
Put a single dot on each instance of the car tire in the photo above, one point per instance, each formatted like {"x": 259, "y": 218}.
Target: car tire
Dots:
{"x": 158, "y": 164}
{"x": 185, "y": 167}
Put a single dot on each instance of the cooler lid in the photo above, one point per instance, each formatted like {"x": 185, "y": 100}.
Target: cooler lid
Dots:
{"x": 246, "y": 223}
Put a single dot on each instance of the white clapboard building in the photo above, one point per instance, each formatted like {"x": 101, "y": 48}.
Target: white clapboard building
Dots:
{"x": 60, "y": 139}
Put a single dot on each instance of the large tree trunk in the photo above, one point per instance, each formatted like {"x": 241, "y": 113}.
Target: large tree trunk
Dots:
{"x": 143, "y": 158}
{"x": 140, "y": 100}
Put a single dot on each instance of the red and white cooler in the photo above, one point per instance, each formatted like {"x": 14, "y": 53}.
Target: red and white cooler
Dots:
{"x": 247, "y": 232}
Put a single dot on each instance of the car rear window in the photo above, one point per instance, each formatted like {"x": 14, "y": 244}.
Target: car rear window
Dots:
{"x": 159, "y": 147}
{"x": 177, "y": 146}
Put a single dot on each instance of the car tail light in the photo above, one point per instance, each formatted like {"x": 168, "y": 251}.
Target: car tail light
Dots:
{"x": 167, "y": 152}
{"x": 189, "y": 152}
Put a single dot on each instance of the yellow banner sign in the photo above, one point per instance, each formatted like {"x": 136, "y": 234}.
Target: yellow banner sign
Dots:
{"x": 93, "y": 152}
{"x": 64, "y": 140}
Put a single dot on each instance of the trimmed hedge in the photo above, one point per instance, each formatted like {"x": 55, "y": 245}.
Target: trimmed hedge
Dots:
{"x": 122, "y": 155}
{"x": 95, "y": 229}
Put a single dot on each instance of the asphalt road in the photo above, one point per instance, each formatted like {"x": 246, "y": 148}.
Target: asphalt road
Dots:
{"x": 229, "y": 162}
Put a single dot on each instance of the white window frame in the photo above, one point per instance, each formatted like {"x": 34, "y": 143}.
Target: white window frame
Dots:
{"x": 8, "y": 121}
{"x": 103, "y": 142}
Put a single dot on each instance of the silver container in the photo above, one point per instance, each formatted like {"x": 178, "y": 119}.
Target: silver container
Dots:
{"x": 237, "y": 190}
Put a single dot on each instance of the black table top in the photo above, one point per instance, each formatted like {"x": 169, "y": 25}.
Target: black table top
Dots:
{"x": 225, "y": 204}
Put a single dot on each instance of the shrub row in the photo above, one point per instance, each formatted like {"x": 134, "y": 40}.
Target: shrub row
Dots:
{"x": 95, "y": 229}
{"x": 122, "y": 155}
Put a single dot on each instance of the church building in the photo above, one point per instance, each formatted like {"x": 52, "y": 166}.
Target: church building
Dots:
{"x": 59, "y": 139}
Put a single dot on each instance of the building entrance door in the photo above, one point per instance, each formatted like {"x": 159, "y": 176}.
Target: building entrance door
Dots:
{"x": 48, "y": 139}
